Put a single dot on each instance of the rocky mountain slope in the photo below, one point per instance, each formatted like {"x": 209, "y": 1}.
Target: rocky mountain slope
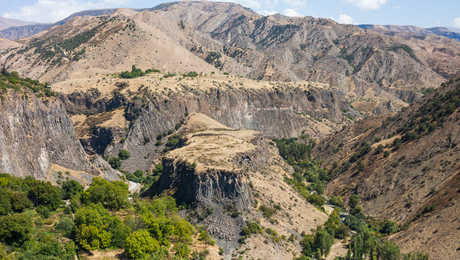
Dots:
{"x": 229, "y": 176}
{"x": 111, "y": 114}
{"x": 406, "y": 167}
{"x": 189, "y": 36}
{"x": 37, "y": 137}
{"x": 21, "y": 30}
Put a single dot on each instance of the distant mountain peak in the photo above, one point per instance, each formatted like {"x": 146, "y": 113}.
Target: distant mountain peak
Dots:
{"x": 8, "y": 22}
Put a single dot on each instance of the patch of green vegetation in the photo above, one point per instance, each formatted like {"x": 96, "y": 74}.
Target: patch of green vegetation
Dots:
{"x": 364, "y": 149}
{"x": 430, "y": 115}
{"x": 297, "y": 152}
{"x": 267, "y": 212}
{"x": 100, "y": 217}
{"x": 191, "y": 74}
{"x": 174, "y": 142}
{"x": 14, "y": 81}
{"x": 405, "y": 48}
{"x": 134, "y": 73}
{"x": 427, "y": 91}
{"x": 74, "y": 42}
{"x": 205, "y": 237}
{"x": 124, "y": 154}
{"x": 169, "y": 75}
{"x": 214, "y": 58}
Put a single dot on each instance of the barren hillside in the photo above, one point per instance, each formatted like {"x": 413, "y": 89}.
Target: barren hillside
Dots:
{"x": 189, "y": 36}
{"x": 405, "y": 167}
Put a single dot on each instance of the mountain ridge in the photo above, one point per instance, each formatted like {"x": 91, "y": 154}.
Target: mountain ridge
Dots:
{"x": 414, "y": 31}
{"x": 6, "y": 23}
{"x": 241, "y": 42}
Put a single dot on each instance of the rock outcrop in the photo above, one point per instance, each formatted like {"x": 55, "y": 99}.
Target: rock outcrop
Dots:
{"x": 224, "y": 175}
{"x": 37, "y": 139}
{"x": 154, "y": 106}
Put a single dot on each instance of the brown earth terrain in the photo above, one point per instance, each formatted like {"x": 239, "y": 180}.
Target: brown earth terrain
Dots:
{"x": 410, "y": 172}
{"x": 232, "y": 173}
{"x": 188, "y": 36}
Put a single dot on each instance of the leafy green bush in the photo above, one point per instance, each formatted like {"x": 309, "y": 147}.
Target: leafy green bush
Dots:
{"x": 112, "y": 195}
{"x": 140, "y": 244}
{"x": 389, "y": 227}
{"x": 316, "y": 200}
{"x": 182, "y": 250}
{"x": 292, "y": 150}
{"x": 317, "y": 245}
{"x": 336, "y": 201}
{"x": 267, "y": 212}
{"x": 13, "y": 81}
{"x": 160, "y": 218}
{"x": 134, "y": 73}
{"x": 365, "y": 149}
{"x": 250, "y": 228}
{"x": 44, "y": 194}
{"x": 43, "y": 211}
{"x": 123, "y": 154}
{"x": 115, "y": 162}
{"x": 174, "y": 142}
{"x": 65, "y": 226}
{"x": 15, "y": 229}
{"x": 71, "y": 188}
{"x": 92, "y": 227}
{"x": 47, "y": 246}
{"x": 335, "y": 227}
{"x": 191, "y": 74}
{"x": 205, "y": 237}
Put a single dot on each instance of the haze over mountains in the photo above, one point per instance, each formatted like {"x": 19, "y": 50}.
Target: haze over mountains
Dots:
{"x": 7, "y": 23}
{"x": 281, "y": 136}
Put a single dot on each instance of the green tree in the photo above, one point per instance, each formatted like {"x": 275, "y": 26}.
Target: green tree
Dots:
{"x": 119, "y": 231}
{"x": 140, "y": 244}
{"x": 389, "y": 227}
{"x": 388, "y": 251}
{"x": 92, "y": 227}
{"x": 335, "y": 227}
{"x": 45, "y": 194}
{"x": 112, "y": 195}
{"x": 15, "y": 229}
{"x": 5, "y": 202}
{"x": 71, "y": 188}
{"x": 19, "y": 201}
{"x": 65, "y": 226}
{"x": 323, "y": 241}
{"x": 48, "y": 246}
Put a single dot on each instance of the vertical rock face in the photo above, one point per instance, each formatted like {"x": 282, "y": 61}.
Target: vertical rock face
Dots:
{"x": 37, "y": 138}
{"x": 276, "y": 112}
{"x": 213, "y": 188}
{"x": 225, "y": 175}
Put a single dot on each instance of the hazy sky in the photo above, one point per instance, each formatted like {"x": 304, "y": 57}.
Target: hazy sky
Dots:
{"x": 425, "y": 13}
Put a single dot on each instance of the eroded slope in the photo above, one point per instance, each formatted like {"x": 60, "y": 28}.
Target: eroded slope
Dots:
{"x": 228, "y": 176}
{"x": 406, "y": 168}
